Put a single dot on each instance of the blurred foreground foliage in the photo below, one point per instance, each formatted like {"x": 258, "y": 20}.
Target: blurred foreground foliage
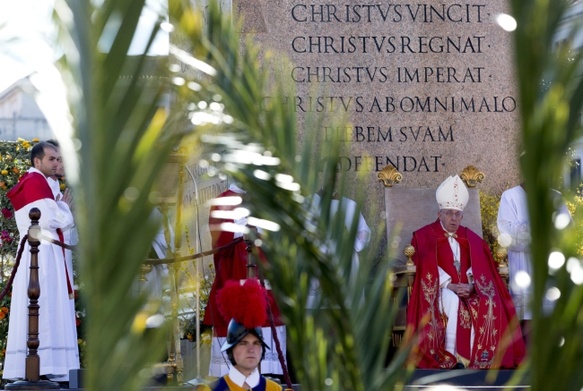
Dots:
{"x": 123, "y": 118}
{"x": 550, "y": 114}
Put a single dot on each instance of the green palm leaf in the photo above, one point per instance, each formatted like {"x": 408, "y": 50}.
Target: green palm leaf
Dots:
{"x": 550, "y": 112}
{"x": 123, "y": 137}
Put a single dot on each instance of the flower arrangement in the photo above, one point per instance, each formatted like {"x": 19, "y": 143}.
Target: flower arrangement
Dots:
{"x": 4, "y": 312}
{"x": 188, "y": 323}
{"x": 489, "y": 204}
{"x": 14, "y": 161}
{"x": 80, "y": 323}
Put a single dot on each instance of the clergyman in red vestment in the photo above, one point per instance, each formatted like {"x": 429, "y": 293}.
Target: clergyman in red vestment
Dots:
{"x": 459, "y": 309}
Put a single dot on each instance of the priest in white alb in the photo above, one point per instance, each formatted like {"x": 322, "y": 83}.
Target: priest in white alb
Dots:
{"x": 58, "y": 350}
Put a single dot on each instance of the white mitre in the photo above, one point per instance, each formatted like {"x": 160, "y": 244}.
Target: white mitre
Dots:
{"x": 452, "y": 194}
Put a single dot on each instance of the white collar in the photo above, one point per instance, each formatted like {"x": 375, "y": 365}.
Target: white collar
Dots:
{"x": 239, "y": 379}
{"x": 32, "y": 169}
{"x": 236, "y": 189}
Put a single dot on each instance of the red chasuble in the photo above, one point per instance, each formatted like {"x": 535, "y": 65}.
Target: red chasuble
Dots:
{"x": 230, "y": 264}
{"x": 31, "y": 187}
{"x": 489, "y": 310}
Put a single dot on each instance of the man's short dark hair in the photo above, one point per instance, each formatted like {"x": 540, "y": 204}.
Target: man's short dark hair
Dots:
{"x": 53, "y": 142}
{"x": 38, "y": 150}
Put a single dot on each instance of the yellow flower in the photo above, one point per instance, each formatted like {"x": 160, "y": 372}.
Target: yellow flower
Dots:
{"x": 4, "y": 172}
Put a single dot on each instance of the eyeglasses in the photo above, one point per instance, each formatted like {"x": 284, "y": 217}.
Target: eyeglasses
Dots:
{"x": 451, "y": 213}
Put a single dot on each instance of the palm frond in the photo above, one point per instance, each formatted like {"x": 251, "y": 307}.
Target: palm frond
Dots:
{"x": 549, "y": 126}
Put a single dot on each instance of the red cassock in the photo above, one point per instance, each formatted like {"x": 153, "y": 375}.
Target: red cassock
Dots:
{"x": 230, "y": 264}
{"x": 489, "y": 310}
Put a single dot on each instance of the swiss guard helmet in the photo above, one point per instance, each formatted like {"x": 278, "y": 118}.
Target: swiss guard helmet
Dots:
{"x": 245, "y": 304}
{"x": 235, "y": 333}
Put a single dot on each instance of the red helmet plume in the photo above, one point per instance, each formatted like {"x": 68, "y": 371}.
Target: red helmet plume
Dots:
{"x": 246, "y": 303}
